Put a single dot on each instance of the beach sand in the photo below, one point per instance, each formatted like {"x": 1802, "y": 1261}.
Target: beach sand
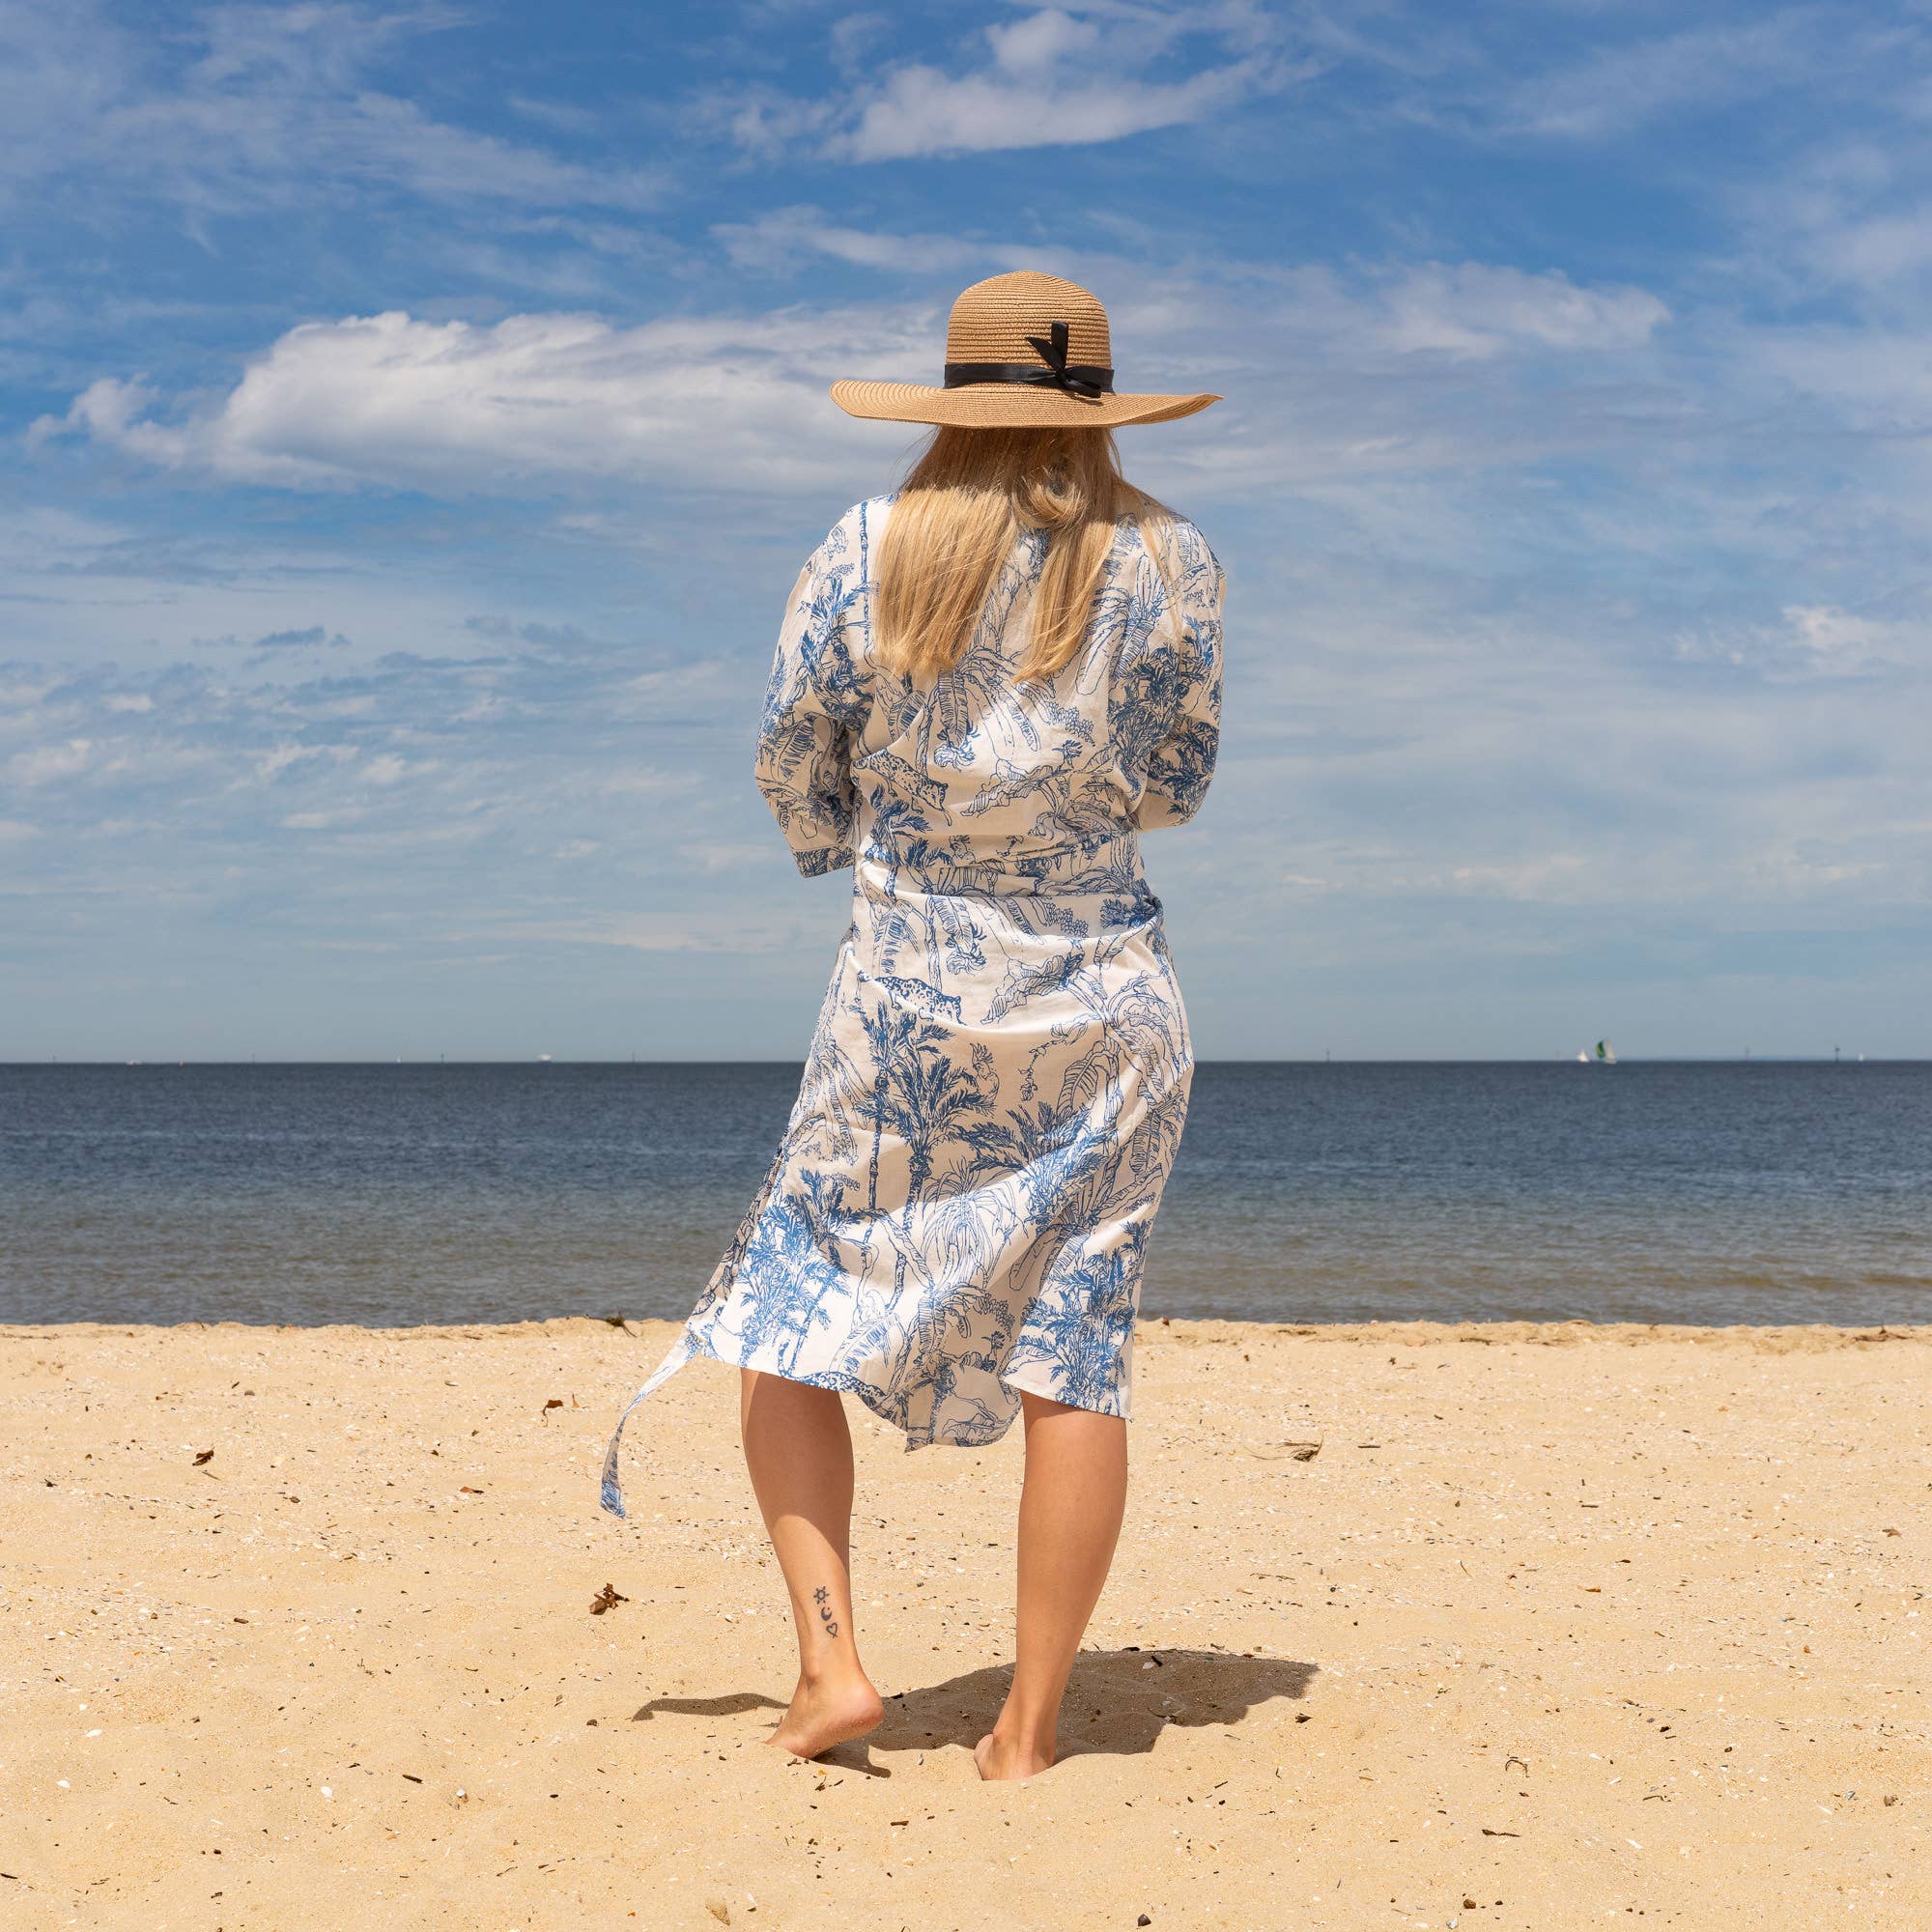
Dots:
{"x": 1560, "y": 1627}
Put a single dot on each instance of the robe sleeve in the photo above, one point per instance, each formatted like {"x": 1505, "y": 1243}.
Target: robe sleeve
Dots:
{"x": 813, "y": 712}
{"x": 1182, "y": 764}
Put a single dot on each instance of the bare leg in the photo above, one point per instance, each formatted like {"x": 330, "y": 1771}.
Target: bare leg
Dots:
{"x": 1072, "y": 1503}
{"x": 799, "y": 1452}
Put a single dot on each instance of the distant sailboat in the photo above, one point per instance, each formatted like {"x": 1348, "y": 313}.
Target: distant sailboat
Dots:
{"x": 1606, "y": 1054}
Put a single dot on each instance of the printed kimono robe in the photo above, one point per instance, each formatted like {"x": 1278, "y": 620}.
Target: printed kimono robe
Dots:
{"x": 993, "y": 1095}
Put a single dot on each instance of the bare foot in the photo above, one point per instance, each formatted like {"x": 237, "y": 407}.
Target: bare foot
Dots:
{"x": 825, "y": 1714}
{"x": 999, "y": 1761}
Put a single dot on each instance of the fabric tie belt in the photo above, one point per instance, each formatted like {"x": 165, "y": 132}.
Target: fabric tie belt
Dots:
{"x": 1110, "y": 866}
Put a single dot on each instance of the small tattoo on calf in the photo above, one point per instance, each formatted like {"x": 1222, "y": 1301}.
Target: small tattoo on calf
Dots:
{"x": 822, "y": 1597}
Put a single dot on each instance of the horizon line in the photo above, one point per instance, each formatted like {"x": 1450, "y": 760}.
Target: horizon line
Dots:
{"x": 1276, "y": 1060}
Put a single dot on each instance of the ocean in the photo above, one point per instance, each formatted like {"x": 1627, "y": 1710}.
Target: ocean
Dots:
{"x": 1662, "y": 1191}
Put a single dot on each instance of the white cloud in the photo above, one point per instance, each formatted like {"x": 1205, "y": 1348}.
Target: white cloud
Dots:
{"x": 276, "y": 109}
{"x": 1881, "y": 250}
{"x": 23, "y": 693}
{"x": 920, "y": 110}
{"x": 381, "y": 138}
{"x": 739, "y": 403}
{"x": 108, "y": 408}
{"x": 453, "y": 407}
{"x": 45, "y": 765}
{"x": 318, "y": 45}
{"x": 786, "y": 238}
{"x": 1472, "y": 309}
{"x": 324, "y": 821}
{"x": 644, "y": 782}
{"x": 1615, "y": 89}
{"x": 1054, "y": 77}
{"x": 387, "y": 769}
{"x": 1545, "y": 878}
{"x": 721, "y": 930}
{"x": 1813, "y": 640}
{"x": 1038, "y": 44}
{"x": 276, "y": 762}
{"x": 1882, "y": 376}
{"x": 1849, "y": 211}
{"x": 1836, "y": 644}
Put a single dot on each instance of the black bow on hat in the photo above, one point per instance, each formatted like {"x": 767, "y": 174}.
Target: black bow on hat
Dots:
{"x": 1090, "y": 381}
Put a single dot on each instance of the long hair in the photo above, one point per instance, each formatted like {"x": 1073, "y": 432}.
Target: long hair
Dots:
{"x": 964, "y": 503}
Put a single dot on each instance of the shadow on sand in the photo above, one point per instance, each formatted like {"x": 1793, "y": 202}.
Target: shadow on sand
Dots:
{"x": 732, "y": 1704}
{"x": 1117, "y": 1702}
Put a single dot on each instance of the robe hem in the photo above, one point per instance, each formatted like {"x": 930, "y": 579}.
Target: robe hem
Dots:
{"x": 698, "y": 1341}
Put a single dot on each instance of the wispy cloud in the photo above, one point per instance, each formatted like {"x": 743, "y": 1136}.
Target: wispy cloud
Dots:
{"x": 1473, "y": 309}
{"x": 48, "y": 764}
{"x": 1813, "y": 641}
{"x": 1619, "y": 88}
{"x": 1846, "y": 215}
{"x": 256, "y": 106}
{"x": 1056, "y": 76}
{"x": 308, "y": 638}
{"x": 787, "y": 239}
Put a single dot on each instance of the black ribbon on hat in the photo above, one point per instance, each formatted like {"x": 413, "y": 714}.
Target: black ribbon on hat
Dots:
{"x": 1089, "y": 381}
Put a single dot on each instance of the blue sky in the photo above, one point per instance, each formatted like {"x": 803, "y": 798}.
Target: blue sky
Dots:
{"x": 412, "y": 419}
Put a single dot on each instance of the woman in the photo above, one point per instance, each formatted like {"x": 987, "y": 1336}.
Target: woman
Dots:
{"x": 987, "y": 684}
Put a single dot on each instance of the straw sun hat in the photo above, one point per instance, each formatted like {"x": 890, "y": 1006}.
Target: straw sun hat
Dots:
{"x": 1022, "y": 351}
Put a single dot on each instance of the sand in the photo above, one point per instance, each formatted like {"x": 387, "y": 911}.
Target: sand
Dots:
{"x": 1559, "y": 1627}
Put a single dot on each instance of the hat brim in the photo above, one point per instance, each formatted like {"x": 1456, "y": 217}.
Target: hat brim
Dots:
{"x": 1006, "y": 406}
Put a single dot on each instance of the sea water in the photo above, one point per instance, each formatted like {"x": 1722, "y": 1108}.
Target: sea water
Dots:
{"x": 1701, "y": 1192}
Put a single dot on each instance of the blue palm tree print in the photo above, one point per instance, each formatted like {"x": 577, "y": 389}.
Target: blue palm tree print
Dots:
{"x": 959, "y": 1208}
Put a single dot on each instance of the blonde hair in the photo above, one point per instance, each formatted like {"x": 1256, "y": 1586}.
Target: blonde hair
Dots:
{"x": 967, "y": 499}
